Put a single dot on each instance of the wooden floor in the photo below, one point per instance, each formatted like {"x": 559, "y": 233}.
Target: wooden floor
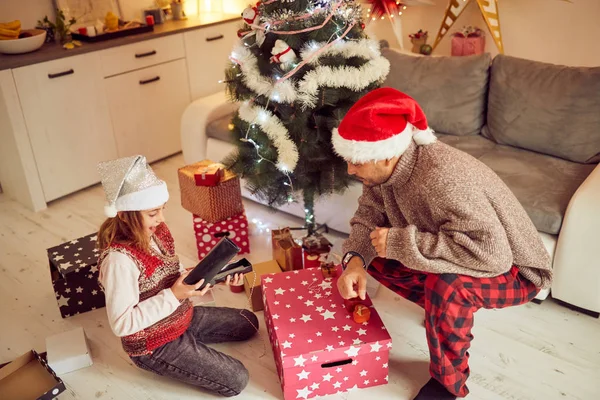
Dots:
{"x": 533, "y": 352}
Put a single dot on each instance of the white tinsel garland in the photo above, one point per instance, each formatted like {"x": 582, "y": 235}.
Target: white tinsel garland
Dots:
{"x": 365, "y": 48}
{"x": 279, "y": 135}
{"x": 341, "y": 77}
{"x": 286, "y": 93}
{"x": 307, "y": 89}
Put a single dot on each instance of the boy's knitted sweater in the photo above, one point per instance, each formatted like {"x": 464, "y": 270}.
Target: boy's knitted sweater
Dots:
{"x": 449, "y": 213}
{"x": 141, "y": 307}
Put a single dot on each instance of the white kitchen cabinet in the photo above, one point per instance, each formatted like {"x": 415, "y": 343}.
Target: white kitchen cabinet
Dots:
{"x": 146, "y": 107}
{"x": 141, "y": 54}
{"x": 207, "y": 55}
{"x": 67, "y": 118}
{"x": 60, "y": 118}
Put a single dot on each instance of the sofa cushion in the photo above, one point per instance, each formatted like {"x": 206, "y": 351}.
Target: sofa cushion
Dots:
{"x": 546, "y": 108}
{"x": 543, "y": 184}
{"x": 219, "y": 129}
{"x": 451, "y": 90}
{"x": 475, "y": 145}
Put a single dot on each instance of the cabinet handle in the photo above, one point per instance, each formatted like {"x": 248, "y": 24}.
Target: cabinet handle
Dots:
{"x": 144, "y": 82}
{"x": 59, "y": 74}
{"x": 141, "y": 55}
{"x": 210, "y": 39}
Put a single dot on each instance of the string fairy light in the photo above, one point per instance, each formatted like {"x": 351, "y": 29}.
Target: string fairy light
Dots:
{"x": 262, "y": 118}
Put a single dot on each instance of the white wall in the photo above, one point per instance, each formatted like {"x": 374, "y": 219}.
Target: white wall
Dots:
{"x": 28, "y": 11}
{"x": 544, "y": 30}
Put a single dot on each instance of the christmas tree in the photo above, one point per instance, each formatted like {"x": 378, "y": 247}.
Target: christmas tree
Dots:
{"x": 298, "y": 68}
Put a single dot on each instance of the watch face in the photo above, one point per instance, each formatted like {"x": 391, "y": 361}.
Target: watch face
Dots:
{"x": 347, "y": 258}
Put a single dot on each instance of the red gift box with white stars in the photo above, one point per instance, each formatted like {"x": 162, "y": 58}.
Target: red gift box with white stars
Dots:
{"x": 74, "y": 273}
{"x": 318, "y": 348}
{"x": 208, "y": 233}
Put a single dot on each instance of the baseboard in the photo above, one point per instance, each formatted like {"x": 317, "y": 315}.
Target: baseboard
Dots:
{"x": 593, "y": 314}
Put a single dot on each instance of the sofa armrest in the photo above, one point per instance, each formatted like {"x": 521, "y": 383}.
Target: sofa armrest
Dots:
{"x": 196, "y": 118}
{"x": 577, "y": 258}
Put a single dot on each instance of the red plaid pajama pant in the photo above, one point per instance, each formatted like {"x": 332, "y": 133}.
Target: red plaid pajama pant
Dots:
{"x": 450, "y": 300}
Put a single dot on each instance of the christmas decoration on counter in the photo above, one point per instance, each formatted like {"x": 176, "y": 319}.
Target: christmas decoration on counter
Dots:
{"x": 74, "y": 274}
{"x": 297, "y": 69}
{"x": 61, "y": 27}
{"x": 318, "y": 348}
{"x": 489, "y": 12}
{"x": 468, "y": 41}
{"x": 208, "y": 233}
{"x": 210, "y": 203}
{"x": 286, "y": 251}
{"x": 418, "y": 40}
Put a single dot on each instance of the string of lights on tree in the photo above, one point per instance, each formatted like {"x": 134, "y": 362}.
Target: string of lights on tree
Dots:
{"x": 299, "y": 66}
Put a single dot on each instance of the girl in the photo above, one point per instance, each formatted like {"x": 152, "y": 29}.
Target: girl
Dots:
{"x": 147, "y": 301}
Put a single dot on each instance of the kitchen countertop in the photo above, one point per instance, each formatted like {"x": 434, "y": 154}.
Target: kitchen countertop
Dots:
{"x": 53, "y": 51}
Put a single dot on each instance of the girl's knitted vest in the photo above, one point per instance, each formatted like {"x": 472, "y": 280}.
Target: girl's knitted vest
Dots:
{"x": 157, "y": 272}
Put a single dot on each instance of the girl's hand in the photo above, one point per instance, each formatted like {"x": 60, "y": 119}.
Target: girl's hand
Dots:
{"x": 184, "y": 291}
{"x": 238, "y": 279}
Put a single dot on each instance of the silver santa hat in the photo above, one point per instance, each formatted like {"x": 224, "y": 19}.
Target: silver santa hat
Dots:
{"x": 131, "y": 185}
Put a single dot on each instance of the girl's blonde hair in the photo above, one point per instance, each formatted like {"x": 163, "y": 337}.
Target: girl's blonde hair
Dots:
{"x": 126, "y": 228}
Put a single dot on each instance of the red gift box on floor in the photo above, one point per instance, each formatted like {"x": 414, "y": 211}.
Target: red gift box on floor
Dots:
{"x": 208, "y": 233}
{"x": 317, "y": 346}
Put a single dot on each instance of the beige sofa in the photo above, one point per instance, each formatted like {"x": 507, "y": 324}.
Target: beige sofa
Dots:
{"x": 536, "y": 125}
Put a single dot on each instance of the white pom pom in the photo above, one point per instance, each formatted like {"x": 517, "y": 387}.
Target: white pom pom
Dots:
{"x": 110, "y": 211}
{"x": 424, "y": 137}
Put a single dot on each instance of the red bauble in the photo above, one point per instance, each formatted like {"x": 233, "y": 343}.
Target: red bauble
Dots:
{"x": 380, "y": 8}
{"x": 362, "y": 26}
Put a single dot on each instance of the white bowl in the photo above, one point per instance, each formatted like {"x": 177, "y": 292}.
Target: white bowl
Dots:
{"x": 24, "y": 45}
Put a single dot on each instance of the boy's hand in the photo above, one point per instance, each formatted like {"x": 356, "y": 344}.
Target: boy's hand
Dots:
{"x": 184, "y": 291}
{"x": 238, "y": 279}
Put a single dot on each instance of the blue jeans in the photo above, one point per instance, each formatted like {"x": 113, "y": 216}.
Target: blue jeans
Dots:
{"x": 190, "y": 360}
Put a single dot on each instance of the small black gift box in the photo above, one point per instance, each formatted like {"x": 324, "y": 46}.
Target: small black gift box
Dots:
{"x": 74, "y": 272}
{"x": 29, "y": 377}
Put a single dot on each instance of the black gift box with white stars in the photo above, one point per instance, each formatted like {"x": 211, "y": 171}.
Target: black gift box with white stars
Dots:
{"x": 74, "y": 271}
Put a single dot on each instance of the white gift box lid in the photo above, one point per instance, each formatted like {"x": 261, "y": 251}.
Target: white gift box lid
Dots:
{"x": 68, "y": 351}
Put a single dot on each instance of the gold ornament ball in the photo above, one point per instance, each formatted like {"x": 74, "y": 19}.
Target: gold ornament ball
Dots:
{"x": 230, "y": 127}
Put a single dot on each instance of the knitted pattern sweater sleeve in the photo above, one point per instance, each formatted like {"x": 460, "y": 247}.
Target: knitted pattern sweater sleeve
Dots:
{"x": 449, "y": 213}
{"x": 126, "y": 314}
{"x": 470, "y": 235}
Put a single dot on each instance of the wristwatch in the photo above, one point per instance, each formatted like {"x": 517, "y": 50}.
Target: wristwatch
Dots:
{"x": 348, "y": 256}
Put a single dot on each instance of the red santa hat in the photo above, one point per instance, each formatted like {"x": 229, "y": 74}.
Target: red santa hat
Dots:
{"x": 380, "y": 126}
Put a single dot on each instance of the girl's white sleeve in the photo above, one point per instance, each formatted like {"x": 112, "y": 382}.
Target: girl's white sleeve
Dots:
{"x": 126, "y": 313}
